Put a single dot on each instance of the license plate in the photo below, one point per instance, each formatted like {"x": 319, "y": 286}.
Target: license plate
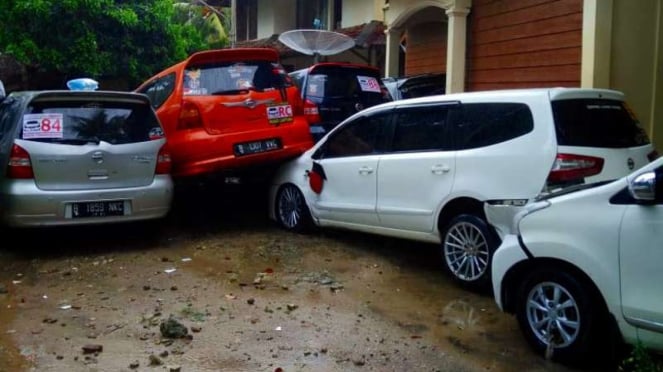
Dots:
{"x": 255, "y": 147}
{"x": 97, "y": 209}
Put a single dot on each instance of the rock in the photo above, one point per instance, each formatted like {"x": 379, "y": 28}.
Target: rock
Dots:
{"x": 174, "y": 368}
{"x": 195, "y": 329}
{"x": 292, "y": 307}
{"x": 171, "y": 328}
{"x": 146, "y": 287}
{"x": 164, "y": 353}
{"x": 250, "y": 301}
{"x": 155, "y": 360}
{"x": 134, "y": 364}
{"x": 92, "y": 348}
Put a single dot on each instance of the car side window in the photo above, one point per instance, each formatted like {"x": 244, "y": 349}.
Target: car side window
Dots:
{"x": 160, "y": 89}
{"x": 421, "y": 129}
{"x": 485, "y": 124}
{"x": 363, "y": 136}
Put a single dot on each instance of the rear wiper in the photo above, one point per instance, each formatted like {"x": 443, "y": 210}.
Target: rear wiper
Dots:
{"x": 232, "y": 91}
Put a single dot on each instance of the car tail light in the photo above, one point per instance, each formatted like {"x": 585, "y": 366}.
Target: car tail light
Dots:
{"x": 311, "y": 112}
{"x": 569, "y": 167}
{"x": 164, "y": 162}
{"x": 19, "y": 164}
{"x": 189, "y": 117}
{"x": 652, "y": 155}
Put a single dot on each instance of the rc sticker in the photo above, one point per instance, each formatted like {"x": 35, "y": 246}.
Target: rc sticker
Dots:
{"x": 277, "y": 114}
{"x": 42, "y": 126}
{"x": 368, "y": 84}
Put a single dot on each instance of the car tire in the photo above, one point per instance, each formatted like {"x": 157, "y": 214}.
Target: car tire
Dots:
{"x": 570, "y": 335}
{"x": 291, "y": 210}
{"x": 467, "y": 249}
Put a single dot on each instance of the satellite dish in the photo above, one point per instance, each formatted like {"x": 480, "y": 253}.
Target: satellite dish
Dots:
{"x": 316, "y": 42}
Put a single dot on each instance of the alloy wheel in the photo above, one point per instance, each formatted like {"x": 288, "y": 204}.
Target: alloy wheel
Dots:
{"x": 553, "y": 314}
{"x": 466, "y": 251}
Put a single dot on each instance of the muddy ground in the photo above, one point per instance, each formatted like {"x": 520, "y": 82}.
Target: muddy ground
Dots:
{"x": 251, "y": 296}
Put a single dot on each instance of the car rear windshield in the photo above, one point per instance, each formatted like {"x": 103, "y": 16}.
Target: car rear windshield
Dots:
{"x": 338, "y": 81}
{"x": 231, "y": 77}
{"x": 597, "y": 123}
{"x": 78, "y": 123}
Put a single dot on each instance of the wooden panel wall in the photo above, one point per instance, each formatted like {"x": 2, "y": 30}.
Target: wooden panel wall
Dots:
{"x": 426, "y": 49}
{"x": 524, "y": 44}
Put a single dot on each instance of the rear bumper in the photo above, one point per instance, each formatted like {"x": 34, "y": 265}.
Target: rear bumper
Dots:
{"x": 22, "y": 204}
{"x": 199, "y": 153}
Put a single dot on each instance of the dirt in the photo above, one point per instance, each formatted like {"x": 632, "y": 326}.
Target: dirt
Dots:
{"x": 250, "y": 296}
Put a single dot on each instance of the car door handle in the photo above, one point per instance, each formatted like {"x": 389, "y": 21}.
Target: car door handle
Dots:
{"x": 440, "y": 169}
{"x": 365, "y": 170}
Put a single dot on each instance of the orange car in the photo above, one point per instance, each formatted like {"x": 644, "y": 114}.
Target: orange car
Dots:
{"x": 228, "y": 110}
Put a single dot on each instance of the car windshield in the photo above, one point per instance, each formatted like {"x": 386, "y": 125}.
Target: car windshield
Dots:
{"x": 76, "y": 122}
{"x": 597, "y": 123}
{"x": 229, "y": 78}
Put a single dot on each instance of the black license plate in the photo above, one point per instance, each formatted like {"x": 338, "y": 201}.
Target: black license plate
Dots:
{"x": 97, "y": 209}
{"x": 254, "y": 147}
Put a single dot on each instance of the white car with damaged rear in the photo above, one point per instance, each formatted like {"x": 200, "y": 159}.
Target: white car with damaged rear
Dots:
{"x": 422, "y": 168}
{"x": 79, "y": 157}
{"x": 581, "y": 269}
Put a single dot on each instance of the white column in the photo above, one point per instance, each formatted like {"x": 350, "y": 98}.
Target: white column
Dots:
{"x": 456, "y": 46}
{"x": 596, "y": 43}
{"x": 393, "y": 45}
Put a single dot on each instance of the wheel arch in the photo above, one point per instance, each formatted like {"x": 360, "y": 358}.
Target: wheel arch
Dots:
{"x": 516, "y": 275}
{"x": 458, "y": 206}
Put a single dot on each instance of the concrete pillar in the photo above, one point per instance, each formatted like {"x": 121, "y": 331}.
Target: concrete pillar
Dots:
{"x": 596, "y": 43}
{"x": 393, "y": 47}
{"x": 456, "y": 46}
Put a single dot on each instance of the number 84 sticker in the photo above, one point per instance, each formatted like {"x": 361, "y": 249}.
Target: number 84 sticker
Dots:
{"x": 42, "y": 126}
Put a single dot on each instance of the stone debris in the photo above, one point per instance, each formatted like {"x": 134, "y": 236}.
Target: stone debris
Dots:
{"x": 171, "y": 328}
{"x": 92, "y": 348}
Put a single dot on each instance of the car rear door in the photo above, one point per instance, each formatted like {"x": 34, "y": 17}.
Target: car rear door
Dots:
{"x": 418, "y": 171}
{"x": 342, "y": 90}
{"x": 239, "y": 92}
{"x": 604, "y": 128}
{"x": 91, "y": 141}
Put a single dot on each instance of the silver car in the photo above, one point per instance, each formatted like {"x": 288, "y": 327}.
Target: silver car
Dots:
{"x": 81, "y": 157}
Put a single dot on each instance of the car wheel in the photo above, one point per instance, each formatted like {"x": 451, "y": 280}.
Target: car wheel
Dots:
{"x": 291, "y": 210}
{"x": 558, "y": 315}
{"x": 467, "y": 247}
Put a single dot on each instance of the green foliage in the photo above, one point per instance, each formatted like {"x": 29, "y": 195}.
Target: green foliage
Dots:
{"x": 97, "y": 38}
{"x": 641, "y": 360}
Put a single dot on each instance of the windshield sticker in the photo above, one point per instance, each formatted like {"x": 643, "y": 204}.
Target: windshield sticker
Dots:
{"x": 42, "y": 126}
{"x": 279, "y": 113}
{"x": 368, "y": 84}
{"x": 192, "y": 83}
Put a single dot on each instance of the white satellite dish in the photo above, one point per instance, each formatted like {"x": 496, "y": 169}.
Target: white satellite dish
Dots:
{"x": 316, "y": 42}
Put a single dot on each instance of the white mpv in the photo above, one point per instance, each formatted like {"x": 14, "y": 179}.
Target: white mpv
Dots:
{"x": 582, "y": 270}
{"x": 422, "y": 168}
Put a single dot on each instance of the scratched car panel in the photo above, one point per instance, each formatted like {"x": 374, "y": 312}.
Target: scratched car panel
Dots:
{"x": 81, "y": 157}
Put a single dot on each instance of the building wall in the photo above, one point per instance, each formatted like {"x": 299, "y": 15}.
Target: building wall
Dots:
{"x": 356, "y": 12}
{"x": 636, "y": 63}
{"x": 275, "y": 17}
{"x": 426, "y": 48}
{"x": 526, "y": 43}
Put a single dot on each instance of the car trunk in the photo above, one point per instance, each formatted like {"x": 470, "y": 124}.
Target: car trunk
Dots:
{"x": 91, "y": 142}
{"x": 340, "y": 91}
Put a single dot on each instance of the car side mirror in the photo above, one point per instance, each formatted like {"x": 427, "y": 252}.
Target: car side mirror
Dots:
{"x": 643, "y": 187}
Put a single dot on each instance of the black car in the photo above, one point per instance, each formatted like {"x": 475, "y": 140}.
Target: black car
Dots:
{"x": 333, "y": 91}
